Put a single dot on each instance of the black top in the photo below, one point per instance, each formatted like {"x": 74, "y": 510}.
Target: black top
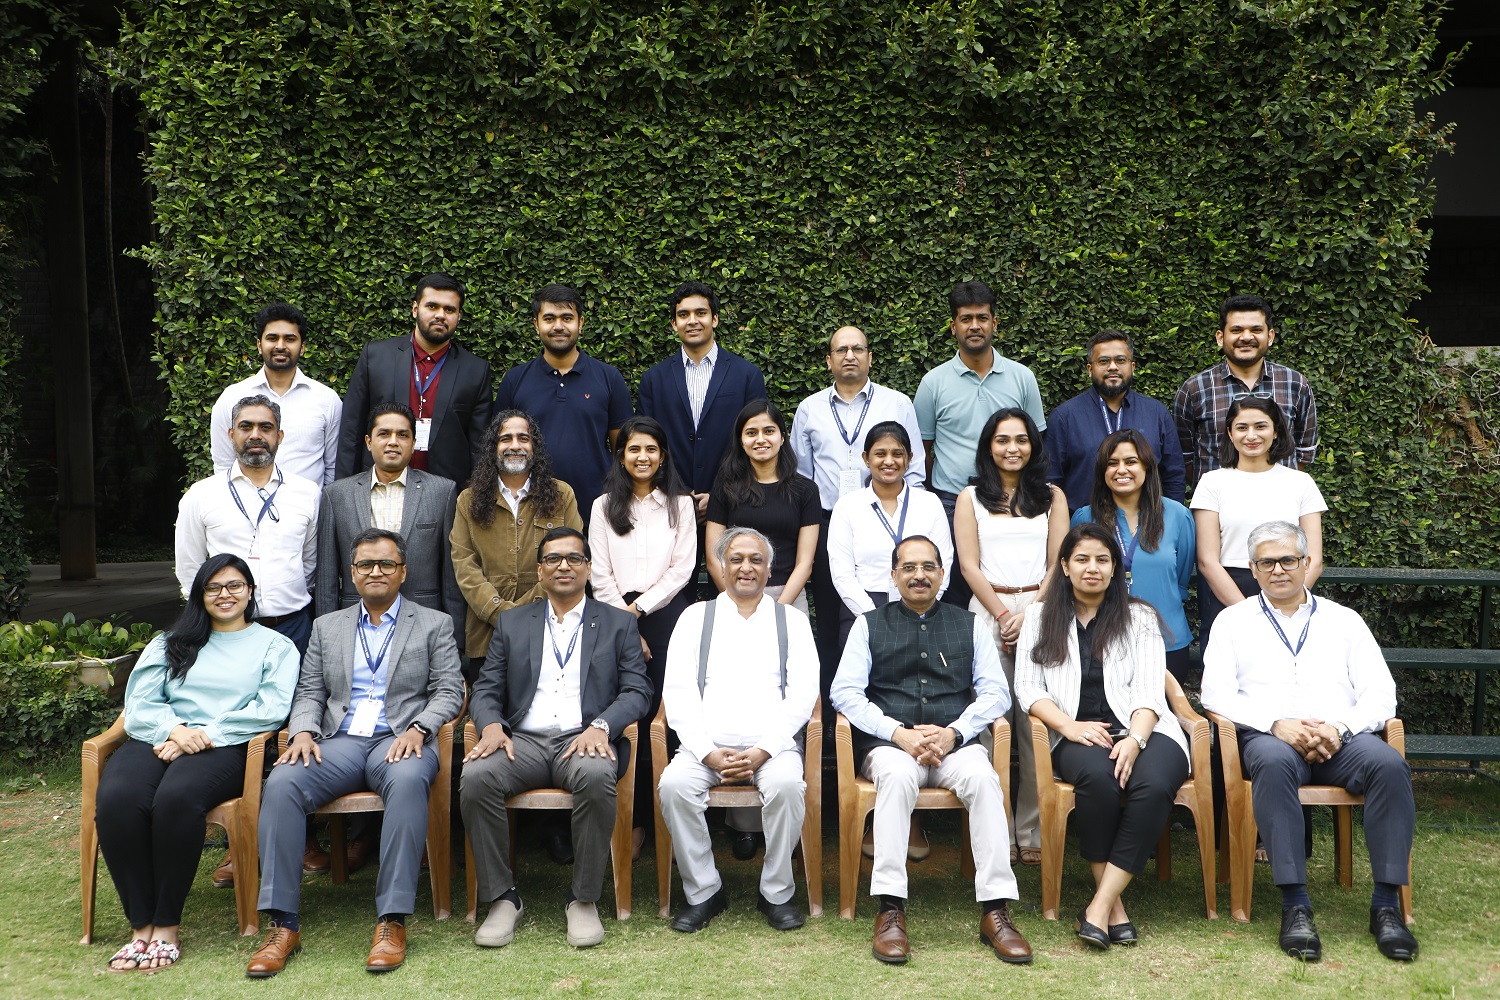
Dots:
{"x": 1092, "y": 705}
{"x": 786, "y": 509}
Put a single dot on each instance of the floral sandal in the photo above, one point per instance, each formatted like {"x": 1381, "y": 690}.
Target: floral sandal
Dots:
{"x": 166, "y": 955}
{"x": 135, "y": 953}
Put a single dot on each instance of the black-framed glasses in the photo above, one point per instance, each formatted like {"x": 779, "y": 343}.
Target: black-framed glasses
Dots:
{"x": 1287, "y": 563}
{"x": 368, "y": 566}
{"x": 555, "y": 559}
{"x": 234, "y": 587}
{"x": 271, "y": 511}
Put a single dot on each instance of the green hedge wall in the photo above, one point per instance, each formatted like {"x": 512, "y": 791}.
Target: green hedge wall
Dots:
{"x": 825, "y": 162}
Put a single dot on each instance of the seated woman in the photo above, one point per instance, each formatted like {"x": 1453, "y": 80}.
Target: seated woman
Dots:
{"x": 196, "y": 696}
{"x": 1090, "y": 664}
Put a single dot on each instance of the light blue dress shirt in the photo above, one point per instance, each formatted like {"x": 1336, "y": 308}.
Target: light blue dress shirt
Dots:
{"x": 823, "y": 454}
{"x": 365, "y": 683}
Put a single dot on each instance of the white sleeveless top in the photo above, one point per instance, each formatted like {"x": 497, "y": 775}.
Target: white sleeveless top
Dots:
{"x": 1012, "y": 550}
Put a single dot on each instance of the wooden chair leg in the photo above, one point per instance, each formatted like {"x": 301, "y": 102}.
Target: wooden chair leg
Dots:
{"x": 663, "y": 862}
{"x": 812, "y": 850}
{"x": 619, "y": 854}
{"x": 338, "y": 849}
{"x": 1241, "y": 819}
{"x": 1406, "y": 897}
{"x": 1054, "y": 834}
{"x": 966, "y": 856}
{"x": 1343, "y": 844}
{"x": 1164, "y": 854}
{"x": 851, "y": 836}
{"x": 440, "y": 847}
{"x": 246, "y": 850}
{"x": 88, "y": 856}
{"x": 471, "y": 879}
{"x": 1206, "y": 852}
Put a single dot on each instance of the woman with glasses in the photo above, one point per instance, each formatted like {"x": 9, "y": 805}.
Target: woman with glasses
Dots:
{"x": 198, "y": 693}
{"x": 1156, "y": 536}
{"x": 1250, "y": 489}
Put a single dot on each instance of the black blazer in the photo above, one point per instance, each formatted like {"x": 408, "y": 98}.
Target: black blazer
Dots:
{"x": 663, "y": 395}
{"x": 614, "y": 686}
{"x": 460, "y": 414}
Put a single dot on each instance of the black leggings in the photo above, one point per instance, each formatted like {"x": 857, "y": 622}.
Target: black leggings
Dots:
{"x": 150, "y": 818}
{"x": 656, "y": 628}
{"x": 1116, "y": 825}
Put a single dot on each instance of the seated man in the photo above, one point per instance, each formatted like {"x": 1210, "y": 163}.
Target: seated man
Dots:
{"x": 741, "y": 683}
{"x": 904, "y": 742}
{"x": 1309, "y": 692}
{"x": 563, "y": 678}
{"x": 378, "y": 681}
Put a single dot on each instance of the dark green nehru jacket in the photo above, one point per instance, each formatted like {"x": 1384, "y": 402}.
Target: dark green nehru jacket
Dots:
{"x": 921, "y": 669}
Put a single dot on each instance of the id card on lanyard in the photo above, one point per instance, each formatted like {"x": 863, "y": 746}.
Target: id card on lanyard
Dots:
{"x": 367, "y": 712}
{"x": 851, "y": 479}
{"x": 899, "y": 531}
{"x": 1127, "y": 552}
{"x": 424, "y": 422}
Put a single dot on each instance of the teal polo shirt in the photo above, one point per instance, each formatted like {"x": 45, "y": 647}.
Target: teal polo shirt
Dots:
{"x": 953, "y": 403}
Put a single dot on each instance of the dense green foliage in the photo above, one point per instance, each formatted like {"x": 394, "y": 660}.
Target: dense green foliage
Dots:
{"x": 823, "y": 162}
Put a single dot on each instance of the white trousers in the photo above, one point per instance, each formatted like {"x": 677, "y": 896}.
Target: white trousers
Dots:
{"x": 1026, "y": 830}
{"x": 969, "y": 774}
{"x": 684, "y": 798}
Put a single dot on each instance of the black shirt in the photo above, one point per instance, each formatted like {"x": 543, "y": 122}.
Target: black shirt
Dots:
{"x": 782, "y": 514}
{"x": 1092, "y": 705}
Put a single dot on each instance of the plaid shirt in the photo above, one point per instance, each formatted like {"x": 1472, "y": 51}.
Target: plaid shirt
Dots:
{"x": 1204, "y": 399}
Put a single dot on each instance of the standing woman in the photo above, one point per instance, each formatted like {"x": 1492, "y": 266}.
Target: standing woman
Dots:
{"x": 1090, "y": 665}
{"x": 1250, "y": 489}
{"x": 1007, "y": 527}
{"x": 643, "y": 533}
{"x": 196, "y": 696}
{"x": 758, "y": 487}
{"x": 1156, "y": 536}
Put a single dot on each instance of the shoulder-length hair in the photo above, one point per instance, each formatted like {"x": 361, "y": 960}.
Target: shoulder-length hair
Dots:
{"x": 484, "y": 484}
{"x": 1060, "y": 611}
{"x": 1102, "y": 500}
{"x": 1034, "y": 496}
{"x": 619, "y": 487}
{"x": 191, "y": 631}
{"x": 1281, "y": 448}
{"x": 736, "y": 477}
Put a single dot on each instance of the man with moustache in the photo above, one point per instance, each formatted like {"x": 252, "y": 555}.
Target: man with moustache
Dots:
{"x": 445, "y": 386}
{"x": 1245, "y": 335}
{"x": 571, "y": 395}
{"x": 310, "y": 409}
{"x": 1077, "y": 427}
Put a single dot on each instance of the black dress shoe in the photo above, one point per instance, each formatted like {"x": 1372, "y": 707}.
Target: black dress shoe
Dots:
{"x": 1392, "y": 936}
{"x": 1299, "y": 935}
{"x": 559, "y": 846}
{"x": 1122, "y": 933}
{"x": 1090, "y": 935}
{"x": 695, "y": 917}
{"x": 742, "y": 843}
{"x": 781, "y": 916}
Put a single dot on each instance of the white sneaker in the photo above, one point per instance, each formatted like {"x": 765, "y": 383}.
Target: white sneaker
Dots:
{"x": 585, "y": 929}
{"x": 499, "y": 926}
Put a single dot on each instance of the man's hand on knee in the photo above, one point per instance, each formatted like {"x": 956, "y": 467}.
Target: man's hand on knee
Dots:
{"x": 590, "y": 743}
{"x": 304, "y": 748}
{"x": 493, "y": 738}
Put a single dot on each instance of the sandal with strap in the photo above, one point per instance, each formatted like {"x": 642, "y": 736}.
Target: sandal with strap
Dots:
{"x": 135, "y": 952}
{"x": 162, "y": 952}
{"x": 1031, "y": 856}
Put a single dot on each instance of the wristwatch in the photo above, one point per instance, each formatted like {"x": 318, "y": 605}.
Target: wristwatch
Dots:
{"x": 600, "y": 724}
{"x": 420, "y": 728}
{"x": 1138, "y": 741}
{"x": 1345, "y": 735}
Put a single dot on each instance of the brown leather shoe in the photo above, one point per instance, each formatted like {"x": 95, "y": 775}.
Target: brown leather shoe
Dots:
{"x": 357, "y": 853}
{"x": 996, "y": 930}
{"x": 388, "y": 950}
{"x": 891, "y": 944}
{"x": 224, "y": 874}
{"x": 281, "y": 944}
{"x": 315, "y": 860}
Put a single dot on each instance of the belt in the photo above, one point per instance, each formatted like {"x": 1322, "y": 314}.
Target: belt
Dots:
{"x": 271, "y": 621}
{"x": 1014, "y": 590}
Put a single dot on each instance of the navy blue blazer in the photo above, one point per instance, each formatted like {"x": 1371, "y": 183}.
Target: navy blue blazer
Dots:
{"x": 663, "y": 395}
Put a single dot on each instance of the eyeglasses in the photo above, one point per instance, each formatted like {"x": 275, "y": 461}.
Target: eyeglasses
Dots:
{"x": 271, "y": 510}
{"x": 1287, "y": 563}
{"x": 555, "y": 559}
{"x": 926, "y": 567}
{"x": 368, "y": 566}
{"x": 1235, "y": 397}
{"x": 854, "y": 349}
{"x": 235, "y": 587}
{"x": 1118, "y": 361}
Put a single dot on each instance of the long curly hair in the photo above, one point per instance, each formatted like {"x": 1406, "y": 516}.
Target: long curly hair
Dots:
{"x": 619, "y": 487}
{"x": 193, "y": 627}
{"x": 484, "y": 484}
{"x": 1033, "y": 497}
{"x": 1102, "y": 502}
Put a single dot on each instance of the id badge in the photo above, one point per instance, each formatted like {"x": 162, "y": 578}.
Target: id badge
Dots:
{"x": 366, "y": 714}
{"x": 850, "y": 480}
{"x": 424, "y": 432}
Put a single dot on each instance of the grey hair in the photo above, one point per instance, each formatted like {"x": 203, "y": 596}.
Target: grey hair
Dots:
{"x": 260, "y": 400}
{"x": 1275, "y": 531}
{"x": 721, "y": 547}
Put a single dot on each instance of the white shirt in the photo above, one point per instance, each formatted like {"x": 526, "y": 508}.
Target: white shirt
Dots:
{"x": 1340, "y": 676}
{"x": 557, "y": 705}
{"x": 388, "y": 500}
{"x": 822, "y": 453}
{"x": 282, "y": 553}
{"x": 1246, "y": 500}
{"x": 513, "y": 500}
{"x": 310, "y": 413}
{"x": 698, "y": 375}
{"x": 741, "y": 704}
{"x": 860, "y": 544}
{"x": 652, "y": 559}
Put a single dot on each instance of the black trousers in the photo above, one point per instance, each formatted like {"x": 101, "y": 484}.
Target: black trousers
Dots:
{"x": 1209, "y": 605}
{"x": 1180, "y": 664}
{"x": 828, "y": 609}
{"x": 1115, "y": 825}
{"x": 958, "y": 592}
{"x": 656, "y": 628}
{"x": 150, "y": 818}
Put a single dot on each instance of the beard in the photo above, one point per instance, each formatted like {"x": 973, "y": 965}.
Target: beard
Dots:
{"x": 435, "y": 337}
{"x": 256, "y": 459}
{"x": 515, "y": 464}
{"x": 1113, "y": 391}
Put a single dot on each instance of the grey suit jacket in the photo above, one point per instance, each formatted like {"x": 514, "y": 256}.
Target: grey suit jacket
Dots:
{"x": 423, "y": 685}
{"x": 426, "y": 523}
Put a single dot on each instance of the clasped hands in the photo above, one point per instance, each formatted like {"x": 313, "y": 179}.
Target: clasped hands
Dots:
{"x": 182, "y": 739}
{"x": 929, "y": 744}
{"x": 735, "y": 766}
{"x": 1314, "y": 739}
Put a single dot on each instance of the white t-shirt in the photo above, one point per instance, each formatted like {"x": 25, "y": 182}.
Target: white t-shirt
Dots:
{"x": 1246, "y": 500}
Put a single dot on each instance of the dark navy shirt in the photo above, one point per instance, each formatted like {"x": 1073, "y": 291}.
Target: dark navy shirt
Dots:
{"x": 1076, "y": 428}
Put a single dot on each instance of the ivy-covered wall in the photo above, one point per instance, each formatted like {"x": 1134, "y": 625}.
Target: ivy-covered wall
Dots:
{"x": 826, "y": 162}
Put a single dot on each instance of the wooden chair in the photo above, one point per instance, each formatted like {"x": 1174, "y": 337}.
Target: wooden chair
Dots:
{"x": 239, "y": 817}
{"x": 747, "y": 795}
{"x": 1239, "y": 817}
{"x": 1056, "y": 800}
{"x": 857, "y": 798}
{"x": 439, "y": 825}
{"x": 557, "y": 798}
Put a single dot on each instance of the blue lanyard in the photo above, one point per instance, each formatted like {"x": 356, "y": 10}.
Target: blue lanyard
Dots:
{"x": 270, "y": 500}
{"x": 849, "y": 439}
{"x": 898, "y": 532}
{"x": 373, "y": 664}
{"x": 416, "y": 376}
{"x": 1104, "y": 412}
{"x": 1277, "y": 626}
{"x": 557, "y": 654}
{"x": 1127, "y": 557}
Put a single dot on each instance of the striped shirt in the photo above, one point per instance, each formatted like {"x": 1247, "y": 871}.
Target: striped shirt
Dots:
{"x": 387, "y": 501}
{"x": 1204, "y": 399}
{"x": 699, "y": 374}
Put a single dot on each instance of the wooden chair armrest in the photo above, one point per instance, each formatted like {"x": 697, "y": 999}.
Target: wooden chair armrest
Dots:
{"x": 98, "y": 749}
{"x": 1000, "y": 754}
{"x": 814, "y": 732}
{"x": 843, "y": 738}
{"x": 471, "y": 736}
{"x": 283, "y": 740}
{"x": 658, "y": 731}
{"x": 1395, "y": 735}
{"x": 631, "y": 735}
{"x": 255, "y": 764}
{"x": 1229, "y": 747}
{"x": 1041, "y": 742}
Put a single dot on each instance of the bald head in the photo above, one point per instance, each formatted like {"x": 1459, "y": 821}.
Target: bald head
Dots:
{"x": 849, "y": 357}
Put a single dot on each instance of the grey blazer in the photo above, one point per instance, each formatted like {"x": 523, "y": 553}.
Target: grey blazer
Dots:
{"x": 426, "y": 522}
{"x": 424, "y": 683}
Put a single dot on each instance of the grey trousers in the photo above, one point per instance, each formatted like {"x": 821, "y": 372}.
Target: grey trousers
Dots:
{"x": 1365, "y": 765}
{"x": 489, "y": 781}
{"x": 350, "y": 764}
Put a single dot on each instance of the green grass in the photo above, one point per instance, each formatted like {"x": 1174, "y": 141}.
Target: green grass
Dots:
{"x": 1457, "y": 870}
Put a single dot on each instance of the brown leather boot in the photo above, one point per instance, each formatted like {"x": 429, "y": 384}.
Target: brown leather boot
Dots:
{"x": 388, "y": 950}
{"x": 996, "y": 930}
{"x": 281, "y": 944}
{"x": 891, "y": 944}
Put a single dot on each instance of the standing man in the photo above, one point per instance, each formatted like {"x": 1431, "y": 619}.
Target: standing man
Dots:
{"x": 395, "y": 497}
{"x": 445, "y": 386}
{"x": 379, "y": 680}
{"x": 904, "y": 742}
{"x": 1245, "y": 335}
{"x": 311, "y": 409}
{"x": 1079, "y": 425}
{"x": 827, "y": 437}
{"x": 741, "y": 683}
{"x": 260, "y": 512}
{"x": 572, "y": 397}
{"x": 563, "y": 678}
{"x": 958, "y": 396}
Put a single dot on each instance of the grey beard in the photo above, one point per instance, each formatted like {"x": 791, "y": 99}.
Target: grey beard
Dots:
{"x": 257, "y": 459}
{"x": 514, "y": 465}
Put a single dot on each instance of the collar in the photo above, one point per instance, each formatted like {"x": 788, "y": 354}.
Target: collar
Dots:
{"x": 583, "y": 359}
{"x": 1099, "y": 397}
{"x": 868, "y": 389}
{"x": 391, "y": 614}
{"x": 1223, "y": 374}
{"x": 238, "y": 472}
{"x": 1306, "y": 603}
{"x": 712, "y": 357}
{"x": 298, "y": 378}
{"x": 421, "y": 355}
{"x": 958, "y": 365}
{"x": 766, "y": 601}
{"x": 399, "y": 479}
{"x": 656, "y": 498}
{"x": 907, "y": 611}
{"x": 571, "y": 617}
{"x": 519, "y": 494}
